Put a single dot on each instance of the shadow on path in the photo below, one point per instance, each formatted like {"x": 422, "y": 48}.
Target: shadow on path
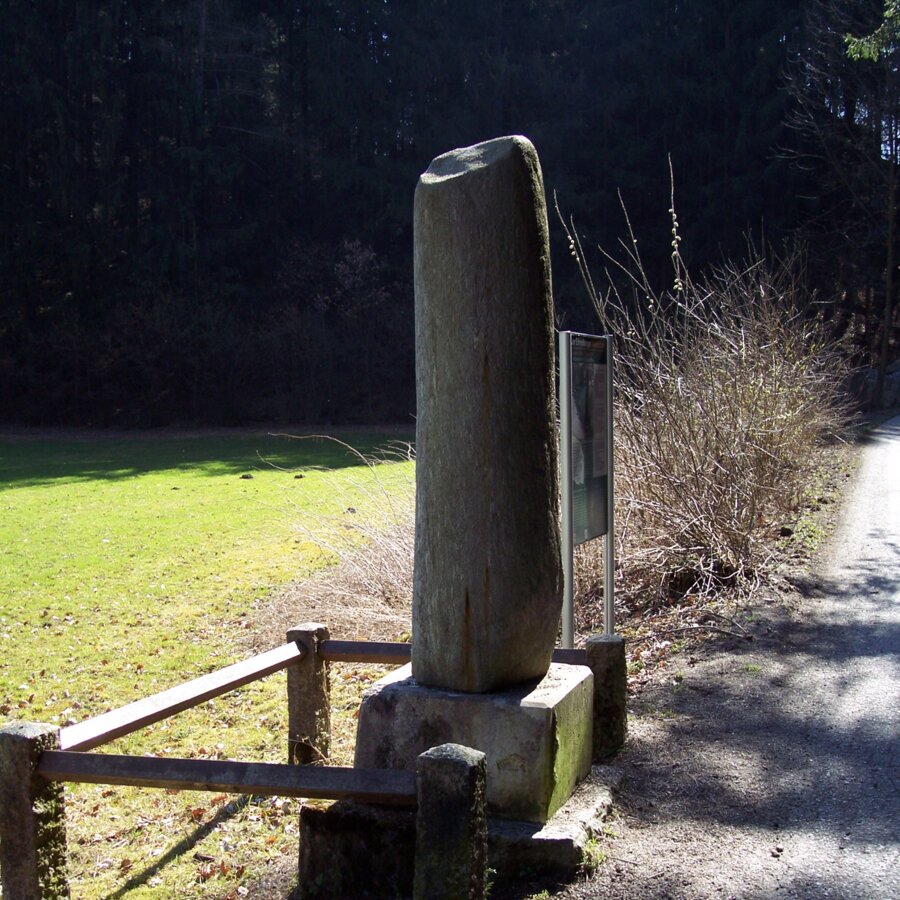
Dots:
{"x": 771, "y": 768}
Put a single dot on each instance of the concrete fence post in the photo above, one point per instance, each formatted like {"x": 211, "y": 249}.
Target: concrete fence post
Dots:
{"x": 32, "y": 817}
{"x": 309, "y": 701}
{"x": 606, "y": 659}
{"x": 451, "y": 827}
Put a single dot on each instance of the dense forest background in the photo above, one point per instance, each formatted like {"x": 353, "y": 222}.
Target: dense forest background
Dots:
{"x": 207, "y": 204}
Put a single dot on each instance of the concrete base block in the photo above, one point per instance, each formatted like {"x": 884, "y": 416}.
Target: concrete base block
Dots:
{"x": 537, "y": 738}
{"x": 606, "y": 658}
{"x": 355, "y": 850}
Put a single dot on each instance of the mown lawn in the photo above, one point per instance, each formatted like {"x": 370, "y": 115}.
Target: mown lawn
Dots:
{"x": 130, "y": 565}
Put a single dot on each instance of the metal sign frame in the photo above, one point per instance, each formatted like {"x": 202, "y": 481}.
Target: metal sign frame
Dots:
{"x": 569, "y": 442}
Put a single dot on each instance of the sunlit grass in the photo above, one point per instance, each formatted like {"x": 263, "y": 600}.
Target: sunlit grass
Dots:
{"x": 129, "y": 566}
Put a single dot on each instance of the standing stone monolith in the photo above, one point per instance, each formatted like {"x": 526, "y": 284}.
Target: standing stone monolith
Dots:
{"x": 488, "y": 574}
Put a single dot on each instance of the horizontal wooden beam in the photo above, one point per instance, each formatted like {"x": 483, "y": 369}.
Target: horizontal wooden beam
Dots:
{"x": 365, "y": 652}
{"x": 227, "y": 777}
{"x": 118, "y": 722}
{"x": 400, "y": 654}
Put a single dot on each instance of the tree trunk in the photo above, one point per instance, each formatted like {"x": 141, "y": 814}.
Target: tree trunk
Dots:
{"x": 888, "y": 294}
{"x": 201, "y": 52}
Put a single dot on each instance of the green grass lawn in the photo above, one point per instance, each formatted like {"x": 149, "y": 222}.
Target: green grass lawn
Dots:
{"x": 130, "y": 565}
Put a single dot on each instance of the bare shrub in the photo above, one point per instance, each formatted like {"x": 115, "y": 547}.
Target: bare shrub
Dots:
{"x": 378, "y": 561}
{"x": 367, "y": 594}
{"x": 724, "y": 389}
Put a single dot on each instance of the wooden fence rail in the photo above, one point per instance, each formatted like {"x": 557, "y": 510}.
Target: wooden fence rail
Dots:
{"x": 118, "y": 722}
{"x": 400, "y": 654}
{"x": 365, "y": 652}
{"x": 32, "y": 825}
{"x": 226, "y": 776}
{"x": 107, "y": 727}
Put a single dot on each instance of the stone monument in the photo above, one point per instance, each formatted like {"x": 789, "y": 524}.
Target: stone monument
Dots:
{"x": 488, "y": 570}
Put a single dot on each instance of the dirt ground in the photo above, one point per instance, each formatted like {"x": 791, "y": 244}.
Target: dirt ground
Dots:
{"x": 769, "y": 767}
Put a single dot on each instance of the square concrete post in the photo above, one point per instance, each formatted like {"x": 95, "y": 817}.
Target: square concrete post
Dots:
{"x": 606, "y": 659}
{"x": 451, "y": 826}
{"x": 32, "y": 816}
{"x": 309, "y": 700}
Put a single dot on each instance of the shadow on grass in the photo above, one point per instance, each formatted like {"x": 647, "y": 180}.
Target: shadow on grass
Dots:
{"x": 34, "y": 462}
{"x": 228, "y": 811}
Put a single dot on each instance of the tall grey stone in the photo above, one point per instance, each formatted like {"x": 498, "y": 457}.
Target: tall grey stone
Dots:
{"x": 488, "y": 575}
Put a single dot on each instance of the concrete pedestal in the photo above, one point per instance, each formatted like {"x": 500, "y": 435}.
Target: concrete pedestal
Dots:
{"x": 358, "y": 850}
{"x": 536, "y": 737}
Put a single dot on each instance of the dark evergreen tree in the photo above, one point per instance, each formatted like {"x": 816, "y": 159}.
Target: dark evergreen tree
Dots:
{"x": 848, "y": 114}
{"x": 207, "y": 204}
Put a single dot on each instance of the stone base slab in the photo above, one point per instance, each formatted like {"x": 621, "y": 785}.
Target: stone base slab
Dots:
{"x": 358, "y": 850}
{"x": 536, "y": 737}
{"x": 558, "y": 849}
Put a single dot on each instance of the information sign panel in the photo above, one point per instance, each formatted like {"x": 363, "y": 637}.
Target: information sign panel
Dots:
{"x": 586, "y": 463}
{"x": 589, "y": 438}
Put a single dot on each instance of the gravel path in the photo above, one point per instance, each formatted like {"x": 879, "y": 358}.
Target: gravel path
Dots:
{"x": 770, "y": 768}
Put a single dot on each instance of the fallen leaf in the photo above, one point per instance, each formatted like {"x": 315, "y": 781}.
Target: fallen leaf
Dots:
{"x": 206, "y": 871}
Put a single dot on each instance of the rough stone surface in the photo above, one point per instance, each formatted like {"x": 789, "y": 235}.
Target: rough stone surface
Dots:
{"x": 451, "y": 828}
{"x": 356, "y": 850}
{"x": 606, "y": 659}
{"x": 537, "y": 737}
{"x": 32, "y": 817}
{"x": 309, "y": 704}
{"x": 488, "y": 575}
{"x": 560, "y": 848}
